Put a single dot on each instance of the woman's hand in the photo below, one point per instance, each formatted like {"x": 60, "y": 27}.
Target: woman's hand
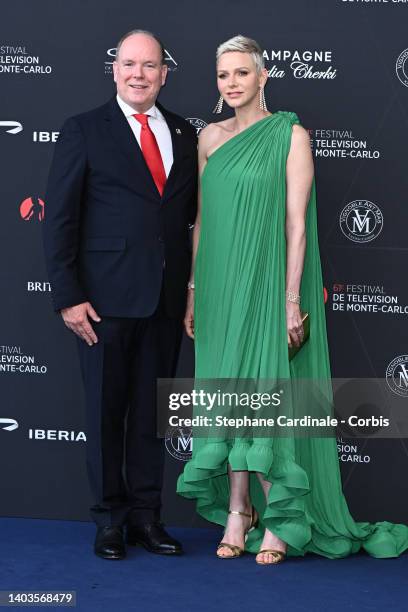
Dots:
{"x": 294, "y": 324}
{"x": 189, "y": 316}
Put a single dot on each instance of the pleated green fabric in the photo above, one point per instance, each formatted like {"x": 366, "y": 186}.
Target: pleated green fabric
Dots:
{"x": 240, "y": 332}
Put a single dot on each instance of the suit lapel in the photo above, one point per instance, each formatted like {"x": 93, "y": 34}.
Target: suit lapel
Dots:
{"x": 127, "y": 144}
{"x": 125, "y": 139}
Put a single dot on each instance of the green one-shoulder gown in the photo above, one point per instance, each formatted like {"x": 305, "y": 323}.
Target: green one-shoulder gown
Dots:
{"x": 240, "y": 332}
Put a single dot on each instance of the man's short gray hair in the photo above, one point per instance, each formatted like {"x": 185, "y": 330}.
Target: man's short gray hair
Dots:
{"x": 243, "y": 44}
{"x": 147, "y": 33}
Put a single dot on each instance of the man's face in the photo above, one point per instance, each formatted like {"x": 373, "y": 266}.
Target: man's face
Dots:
{"x": 138, "y": 71}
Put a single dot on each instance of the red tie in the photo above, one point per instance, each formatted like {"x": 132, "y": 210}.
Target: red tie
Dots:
{"x": 151, "y": 153}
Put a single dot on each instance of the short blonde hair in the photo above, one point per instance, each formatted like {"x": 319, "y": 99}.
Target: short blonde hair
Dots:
{"x": 243, "y": 44}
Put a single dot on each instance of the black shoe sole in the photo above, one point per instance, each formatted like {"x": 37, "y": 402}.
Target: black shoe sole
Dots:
{"x": 154, "y": 550}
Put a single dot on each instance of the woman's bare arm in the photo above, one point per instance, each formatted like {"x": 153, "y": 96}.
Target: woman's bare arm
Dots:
{"x": 299, "y": 177}
{"x": 205, "y": 140}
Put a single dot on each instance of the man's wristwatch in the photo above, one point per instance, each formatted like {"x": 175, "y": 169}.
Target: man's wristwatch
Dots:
{"x": 191, "y": 285}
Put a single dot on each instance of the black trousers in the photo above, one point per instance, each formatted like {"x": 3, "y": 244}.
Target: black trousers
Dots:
{"x": 124, "y": 456}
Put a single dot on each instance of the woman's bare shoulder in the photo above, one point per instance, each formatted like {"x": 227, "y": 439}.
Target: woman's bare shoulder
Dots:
{"x": 300, "y": 136}
{"x": 300, "y": 139}
{"x": 213, "y": 133}
{"x": 212, "y": 130}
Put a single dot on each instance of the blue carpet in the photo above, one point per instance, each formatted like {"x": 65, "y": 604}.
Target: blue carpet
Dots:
{"x": 57, "y": 555}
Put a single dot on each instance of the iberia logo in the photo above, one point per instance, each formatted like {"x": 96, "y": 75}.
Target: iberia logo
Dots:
{"x": 32, "y": 209}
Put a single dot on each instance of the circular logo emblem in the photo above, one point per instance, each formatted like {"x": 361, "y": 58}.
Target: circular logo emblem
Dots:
{"x": 199, "y": 124}
{"x": 361, "y": 221}
{"x": 397, "y": 375}
{"x": 32, "y": 209}
{"x": 401, "y": 67}
{"x": 179, "y": 442}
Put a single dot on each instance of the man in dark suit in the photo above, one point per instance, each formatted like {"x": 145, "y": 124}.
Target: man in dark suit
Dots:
{"x": 120, "y": 197}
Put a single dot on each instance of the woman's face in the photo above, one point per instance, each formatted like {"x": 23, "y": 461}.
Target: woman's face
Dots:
{"x": 237, "y": 78}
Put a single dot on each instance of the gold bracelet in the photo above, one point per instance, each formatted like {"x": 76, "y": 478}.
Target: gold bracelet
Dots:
{"x": 291, "y": 296}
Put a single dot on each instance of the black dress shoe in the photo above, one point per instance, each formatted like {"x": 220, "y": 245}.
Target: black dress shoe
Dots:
{"x": 109, "y": 543}
{"x": 154, "y": 538}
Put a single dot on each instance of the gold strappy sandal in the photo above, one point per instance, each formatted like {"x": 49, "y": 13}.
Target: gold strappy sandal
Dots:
{"x": 237, "y": 551}
{"x": 277, "y": 556}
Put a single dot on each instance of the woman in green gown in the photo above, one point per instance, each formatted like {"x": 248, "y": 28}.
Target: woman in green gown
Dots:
{"x": 255, "y": 255}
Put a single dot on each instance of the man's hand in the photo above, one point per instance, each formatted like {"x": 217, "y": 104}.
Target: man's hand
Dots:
{"x": 189, "y": 316}
{"x": 76, "y": 319}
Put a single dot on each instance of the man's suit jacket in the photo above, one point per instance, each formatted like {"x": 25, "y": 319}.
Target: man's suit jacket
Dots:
{"x": 109, "y": 237}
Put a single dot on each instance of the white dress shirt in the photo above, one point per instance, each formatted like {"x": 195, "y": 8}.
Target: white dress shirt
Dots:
{"x": 159, "y": 128}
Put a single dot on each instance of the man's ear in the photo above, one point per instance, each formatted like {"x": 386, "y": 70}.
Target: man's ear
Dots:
{"x": 165, "y": 70}
{"x": 115, "y": 70}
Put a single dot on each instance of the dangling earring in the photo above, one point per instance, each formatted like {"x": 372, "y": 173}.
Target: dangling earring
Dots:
{"x": 218, "y": 106}
{"x": 262, "y": 101}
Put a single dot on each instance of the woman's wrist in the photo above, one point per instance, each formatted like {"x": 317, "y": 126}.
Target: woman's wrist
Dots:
{"x": 292, "y": 297}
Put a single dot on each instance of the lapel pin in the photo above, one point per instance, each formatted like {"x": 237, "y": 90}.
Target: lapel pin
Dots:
{"x": 178, "y": 131}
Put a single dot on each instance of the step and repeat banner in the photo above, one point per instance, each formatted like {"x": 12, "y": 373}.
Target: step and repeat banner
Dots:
{"x": 342, "y": 66}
